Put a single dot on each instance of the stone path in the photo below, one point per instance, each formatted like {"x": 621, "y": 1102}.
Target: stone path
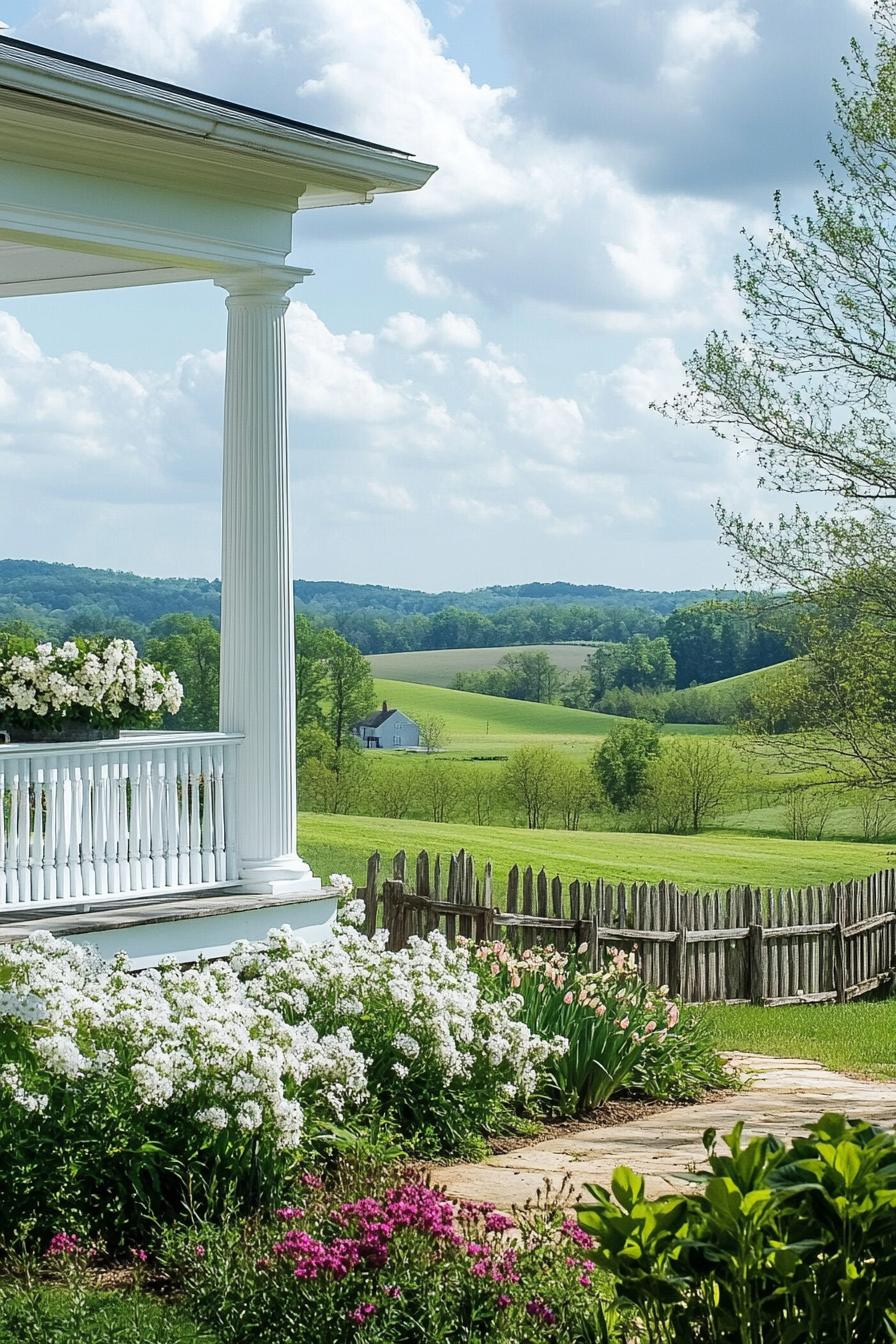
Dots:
{"x": 784, "y": 1097}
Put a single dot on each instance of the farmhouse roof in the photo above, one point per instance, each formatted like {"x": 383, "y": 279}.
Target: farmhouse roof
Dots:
{"x": 378, "y": 719}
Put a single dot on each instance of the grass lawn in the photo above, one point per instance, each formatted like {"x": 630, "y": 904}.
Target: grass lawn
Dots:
{"x": 439, "y": 667}
{"x": 713, "y": 859}
{"x": 851, "y": 1037}
{"x": 489, "y": 725}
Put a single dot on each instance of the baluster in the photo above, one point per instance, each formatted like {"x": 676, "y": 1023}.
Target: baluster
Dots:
{"x": 159, "y": 818}
{"x": 220, "y": 771}
{"x": 172, "y": 819}
{"x": 88, "y": 857}
{"x": 26, "y": 839}
{"x": 208, "y": 805}
{"x": 59, "y": 770}
{"x": 128, "y": 836}
{"x": 72, "y": 816}
{"x": 119, "y": 839}
{"x": 144, "y": 765}
{"x": 183, "y": 817}
{"x": 14, "y": 885}
{"x": 36, "y": 826}
{"x": 99, "y": 788}
{"x": 195, "y": 851}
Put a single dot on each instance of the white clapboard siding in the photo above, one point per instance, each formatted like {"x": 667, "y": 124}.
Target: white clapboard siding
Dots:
{"x": 147, "y": 813}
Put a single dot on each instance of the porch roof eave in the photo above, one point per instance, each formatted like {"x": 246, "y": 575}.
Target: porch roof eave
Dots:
{"x": 80, "y": 88}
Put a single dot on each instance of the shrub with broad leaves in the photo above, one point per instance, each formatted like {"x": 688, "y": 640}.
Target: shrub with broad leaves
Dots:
{"x": 783, "y": 1242}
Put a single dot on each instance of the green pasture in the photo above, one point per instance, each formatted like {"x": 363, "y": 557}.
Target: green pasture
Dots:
{"x": 851, "y": 1037}
{"x": 489, "y": 725}
{"x": 439, "y": 667}
{"x": 714, "y": 859}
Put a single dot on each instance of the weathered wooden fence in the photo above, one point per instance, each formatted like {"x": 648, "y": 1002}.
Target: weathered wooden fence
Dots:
{"x": 745, "y": 945}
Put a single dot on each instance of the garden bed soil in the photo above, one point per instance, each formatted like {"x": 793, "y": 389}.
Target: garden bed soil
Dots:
{"x": 619, "y": 1111}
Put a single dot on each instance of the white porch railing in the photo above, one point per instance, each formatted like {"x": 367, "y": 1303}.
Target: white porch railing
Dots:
{"x": 148, "y": 813}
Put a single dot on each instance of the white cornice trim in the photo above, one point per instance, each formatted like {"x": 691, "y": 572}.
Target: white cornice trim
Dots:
{"x": 61, "y": 82}
{"x": 144, "y": 242}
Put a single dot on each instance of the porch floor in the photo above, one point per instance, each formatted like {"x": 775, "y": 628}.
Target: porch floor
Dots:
{"x": 186, "y": 926}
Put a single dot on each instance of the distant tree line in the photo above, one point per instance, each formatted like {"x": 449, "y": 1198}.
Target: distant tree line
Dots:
{"x": 636, "y": 678}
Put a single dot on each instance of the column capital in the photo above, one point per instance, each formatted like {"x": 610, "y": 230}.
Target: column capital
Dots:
{"x": 264, "y": 284}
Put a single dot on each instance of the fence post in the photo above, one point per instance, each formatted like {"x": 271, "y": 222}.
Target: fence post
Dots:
{"x": 756, "y": 952}
{"x": 594, "y": 940}
{"x": 678, "y": 969}
{"x": 400, "y": 866}
{"x": 371, "y": 894}
{"x": 393, "y": 914}
{"x": 485, "y": 921}
{"x": 839, "y": 944}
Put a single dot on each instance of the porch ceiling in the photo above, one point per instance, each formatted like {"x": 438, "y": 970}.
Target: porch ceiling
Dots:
{"x": 26, "y": 269}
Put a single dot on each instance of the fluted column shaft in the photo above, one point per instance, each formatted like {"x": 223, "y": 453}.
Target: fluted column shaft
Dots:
{"x": 257, "y": 607}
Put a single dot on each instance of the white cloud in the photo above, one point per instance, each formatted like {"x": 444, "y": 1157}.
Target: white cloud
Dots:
{"x": 697, "y": 36}
{"x": 409, "y": 330}
{"x": 391, "y": 497}
{"x": 326, "y": 377}
{"x": 653, "y": 374}
{"x": 406, "y": 268}
{"x": 412, "y": 332}
{"x": 555, "y": 423}
{"x": 165, "y": 35}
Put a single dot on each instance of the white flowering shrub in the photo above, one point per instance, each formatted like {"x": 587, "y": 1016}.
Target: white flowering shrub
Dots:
{"x": 121, "y": 1094}
{"x": 101, "y": 683}
{"x": 125, "y": 1096}
{"x": 444, "y": 1059}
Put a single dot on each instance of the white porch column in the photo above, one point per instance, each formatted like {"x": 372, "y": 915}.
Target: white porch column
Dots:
{"x": 257, "y": 607}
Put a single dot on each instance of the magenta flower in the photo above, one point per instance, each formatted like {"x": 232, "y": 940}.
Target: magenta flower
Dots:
{"x": 64, "y": 1243}
{"x": 541, "y": 1311}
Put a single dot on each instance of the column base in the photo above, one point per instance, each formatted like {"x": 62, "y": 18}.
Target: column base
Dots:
{"x": 289, "y": 876}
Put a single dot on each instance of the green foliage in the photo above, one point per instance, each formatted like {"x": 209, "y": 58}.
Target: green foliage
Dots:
{"x": 715, "y": 640}
{"x": 349, "y": 686}
{"x": 689, "y": 1063}
{"x": 783, "y": 1244}
{"x": 192, "y": 646}
{"x": 640, "y": 664}
{"x": 622, "y": 760}
{"x": 526, "y": 674}
{"x": 51, "y": 1314}
{"x": 531, "y": 780}
{"x": 689, "y": 783}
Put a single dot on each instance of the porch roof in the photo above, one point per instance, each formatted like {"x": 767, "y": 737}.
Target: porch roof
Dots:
{"x": 108, "y": 178}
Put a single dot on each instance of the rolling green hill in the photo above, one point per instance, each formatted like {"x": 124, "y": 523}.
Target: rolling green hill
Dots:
{"x": 713, "y": 859}
{"x": 439, "y": 667}
{"x": 491, "y": 725}
{"x": 719, "y": 701}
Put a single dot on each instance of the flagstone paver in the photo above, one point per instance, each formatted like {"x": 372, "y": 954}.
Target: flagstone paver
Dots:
{"x": 784, "y": 1097}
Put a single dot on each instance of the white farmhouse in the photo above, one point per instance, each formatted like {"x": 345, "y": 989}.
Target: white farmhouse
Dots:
{"x": 387, "y": 729}
{"x": 176, "y": 843}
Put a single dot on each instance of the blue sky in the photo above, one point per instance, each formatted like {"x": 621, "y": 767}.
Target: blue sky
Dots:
{"x": 472, "y": 367}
